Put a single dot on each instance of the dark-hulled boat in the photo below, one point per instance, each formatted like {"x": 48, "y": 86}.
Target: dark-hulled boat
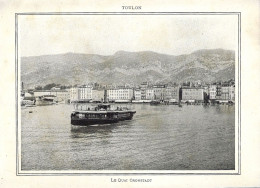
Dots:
{"x": 101, "y": 114}
{"x": 155, "y": 102}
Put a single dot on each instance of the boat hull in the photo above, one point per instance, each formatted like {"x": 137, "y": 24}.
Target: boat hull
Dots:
{"x": 87, "y": 122}
{"x": 155, "y": 103}
{"x": 107, "y": 118}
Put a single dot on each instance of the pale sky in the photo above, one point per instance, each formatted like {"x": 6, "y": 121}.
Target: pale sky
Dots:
{"x": 107, "y": 34}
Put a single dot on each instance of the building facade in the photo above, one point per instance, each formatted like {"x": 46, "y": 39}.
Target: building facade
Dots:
{"x": 120, "y": 94}
{"x": 74, "y": 94}
{"x": 137, "y": 94}
{"x": 143, "y": 88}
{"x": 61, "y": 95}
{"x": 232, "y": 92}
{"x": 225, "y": 92}
{"x": 149, "y": 94}
{"x": 98, "y": 95}
{"x": 85, "y": 92}
{"x": 159, "y": 91}
{"x": 192, "y": 93}
{"x": 39, "y": 93}
{"x": 212, "y": 92}
{"x": 218, "y": 91}
{"x": 171, "y": 92}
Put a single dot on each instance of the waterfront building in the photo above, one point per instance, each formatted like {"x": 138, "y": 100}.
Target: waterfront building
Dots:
{"x": 171, "y": 92}
{"x": 85, "y": 92}
{"x": 120, "y": 94}
{"x": 98, "y": 95}
{"x": 149, "y": 94}
{"x": 232, "y": 92}
{"x": 212, "y": 91}
{"x": 61, "y": 95}
{"x": 192, "y": 93}
{"x": 159, "y": 91}
{"x": 39, "y": 93}
{"x": 74, "y": 94}
{"x": 224, "y": 92}
{"x": 218, "y": 91}
{"x": 137, "y": 94}
{"x": 143, "y": 88}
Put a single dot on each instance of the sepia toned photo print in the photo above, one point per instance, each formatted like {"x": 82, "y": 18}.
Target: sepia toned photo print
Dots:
{"x": 128, "y": 92}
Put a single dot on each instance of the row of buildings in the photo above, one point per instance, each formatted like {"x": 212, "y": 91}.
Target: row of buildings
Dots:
{"x": 143, "y": 93}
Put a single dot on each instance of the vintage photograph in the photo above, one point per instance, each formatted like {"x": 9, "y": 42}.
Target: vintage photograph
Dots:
{"x": 127, "y": 92}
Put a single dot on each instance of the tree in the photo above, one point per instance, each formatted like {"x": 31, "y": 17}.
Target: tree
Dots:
{"x": 63, "y": 87}
{"x": 38, "y": 88}
{"x": 49, "y": 86}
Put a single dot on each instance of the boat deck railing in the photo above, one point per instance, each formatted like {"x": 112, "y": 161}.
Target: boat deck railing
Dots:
{"x": 107, "y": 107}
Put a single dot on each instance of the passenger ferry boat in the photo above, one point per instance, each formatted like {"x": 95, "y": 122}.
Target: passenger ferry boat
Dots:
{"x": 101, "y": 114}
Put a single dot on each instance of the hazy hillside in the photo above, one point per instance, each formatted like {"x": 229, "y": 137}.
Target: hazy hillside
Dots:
{"x": 127, "y": 67}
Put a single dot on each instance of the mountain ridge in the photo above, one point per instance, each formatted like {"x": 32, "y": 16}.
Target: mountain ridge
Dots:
{"x": 128, "y": 67}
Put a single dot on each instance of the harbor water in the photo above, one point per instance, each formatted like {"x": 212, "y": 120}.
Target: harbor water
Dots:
{"x": 162, "y": 137}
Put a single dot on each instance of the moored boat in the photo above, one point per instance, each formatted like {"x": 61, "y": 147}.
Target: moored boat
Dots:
{"x": 28, "y": 105}
{"x": 101, "y": 114}
{"x": 155, "y": 102}
{"x": 45, "y": 100}
{"x": 173, "y": 102}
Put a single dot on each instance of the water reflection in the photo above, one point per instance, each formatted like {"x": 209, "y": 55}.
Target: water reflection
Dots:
{"x": 103, "y": 129}
{"x": 228, "y": 109}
